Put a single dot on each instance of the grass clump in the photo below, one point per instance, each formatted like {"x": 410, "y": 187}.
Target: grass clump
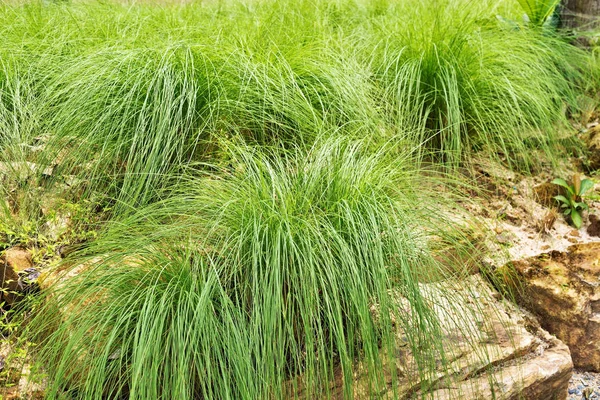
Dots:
{"x": 129, "y": 96}
{"x": 260, "y": 276}
{"x": 128, "y": 118}
{"x": 132, "y": 110}
{"x": 260, "y": 282}
{"x": 467, "y": 81}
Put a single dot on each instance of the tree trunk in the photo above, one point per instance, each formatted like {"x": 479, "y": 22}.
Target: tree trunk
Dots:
{"x": 584, "y": 14}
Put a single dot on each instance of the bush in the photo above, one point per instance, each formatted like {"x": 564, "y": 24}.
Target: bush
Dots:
{"x": 249, "y": 285}
{"x": 464, "y": 80}
{"x": 131, "y": 95}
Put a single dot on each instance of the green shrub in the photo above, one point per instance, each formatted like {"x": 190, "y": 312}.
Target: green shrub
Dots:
{"x": 246, "y": 281}
{"x": 466, "y": 81}
{"x": 130, "y": 95}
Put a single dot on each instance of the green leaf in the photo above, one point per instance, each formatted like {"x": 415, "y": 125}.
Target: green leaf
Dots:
{"x": 576, "y": 218}
{"x": 538, "y": 10}
{"x": 568, "y": 211}
{"x": 562, "y": 199}
{"x": 586, "y": 185}
{"x": 563, "y": 183}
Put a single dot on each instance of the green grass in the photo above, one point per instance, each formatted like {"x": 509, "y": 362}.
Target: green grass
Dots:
{"x": 255, "y": 267}
{"x": 129, "y": 95}
{"x": 249, "y": 283}
{"x": 466, "y": 80}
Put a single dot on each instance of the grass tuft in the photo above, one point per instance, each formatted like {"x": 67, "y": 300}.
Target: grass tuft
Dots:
{"x": 466, "y": 81}
{"x": 256, "y": 283}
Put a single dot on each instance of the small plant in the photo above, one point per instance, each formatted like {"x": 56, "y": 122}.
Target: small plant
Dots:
{"x": 539, "y": 11}
{"x": 572, "y": 201}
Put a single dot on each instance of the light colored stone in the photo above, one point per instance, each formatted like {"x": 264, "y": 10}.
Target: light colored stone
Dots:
{"x": 58, "y": 226}
{"x": 563, "y": 290}
{"x": 542, "y": 376}
{"x": 492, "y": 350}
{"x": 20, "y": 171}
{"x": 30, "y": 386}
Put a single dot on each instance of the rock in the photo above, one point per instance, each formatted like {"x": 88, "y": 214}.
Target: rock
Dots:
{"x": 55, "y": 277}
{"x": 14, "y": 262}
{"x": 58, "y": 219}
{"x": 494, "y": 169}
{"x": 18, "y": 259}
{"x": 20, "y": 171}
{"x": 493, "y": 350}
{"x": 505, "y": 238}
{"x": 58, "y": 226}
{"x": 563, "y": 290}
{"x": 527, "y": 365}
{"x": 545, "y": 377}
{"x": 30, "y": 386}
{"x": 8, "y": 284}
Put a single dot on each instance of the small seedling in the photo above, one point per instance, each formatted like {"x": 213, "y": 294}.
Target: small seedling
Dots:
{"x": 539, "y": 12}
{"x": 572, "y": 202}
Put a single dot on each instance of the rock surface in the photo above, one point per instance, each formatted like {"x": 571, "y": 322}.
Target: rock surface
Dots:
{"x": 14, "y": 262}
{"x": 493, "y": 350}
{"x": 563, "y": 290}
{"x": 18, "y": 259}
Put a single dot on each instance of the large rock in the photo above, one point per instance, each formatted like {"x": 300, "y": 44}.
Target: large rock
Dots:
{"x": 16, "y": 272}
{"x": 492, "y": 350}
{"x": 17, "y": 259}
{"x": 563, "y": 290}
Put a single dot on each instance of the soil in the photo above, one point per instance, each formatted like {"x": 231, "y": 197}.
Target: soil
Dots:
{"x": 594, "y": 228}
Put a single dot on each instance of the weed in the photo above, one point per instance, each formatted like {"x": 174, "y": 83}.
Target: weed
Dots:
{"x": 572, "y": 202}
{"x": 538, "y": 11}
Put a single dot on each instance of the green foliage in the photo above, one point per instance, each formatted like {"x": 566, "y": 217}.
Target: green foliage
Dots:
{"x": 538, "y": 11}
{"x": 254, "y": 283}
{"x": 572, "y": 201}
{"x": 126, "y": 97}
{"x": 249, "y": 272}
{"x": 465, "y": 81}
